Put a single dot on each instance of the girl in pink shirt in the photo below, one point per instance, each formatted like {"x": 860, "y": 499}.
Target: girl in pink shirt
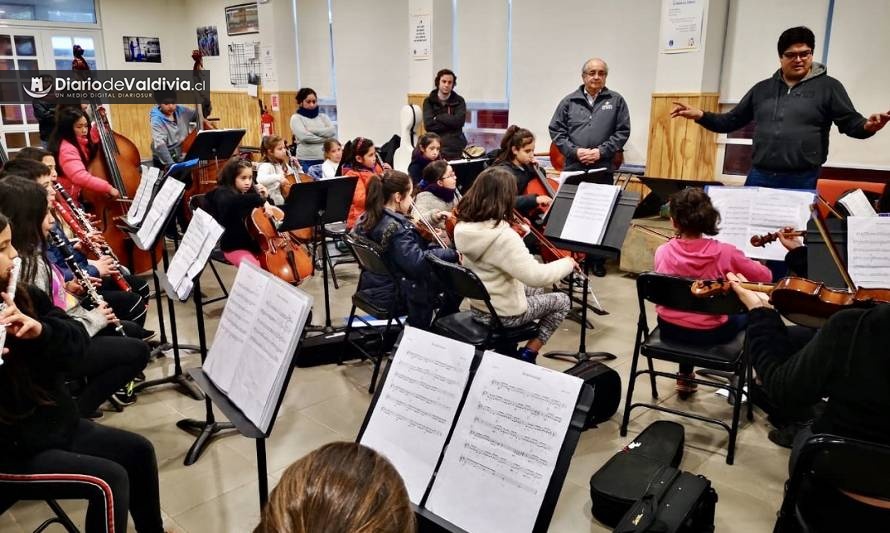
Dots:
{"x": 691, "y": 255}
{"x": 74, "y": 144}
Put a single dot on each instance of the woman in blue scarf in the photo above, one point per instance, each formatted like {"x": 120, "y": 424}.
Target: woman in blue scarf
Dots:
{"x": 311, "y": 129}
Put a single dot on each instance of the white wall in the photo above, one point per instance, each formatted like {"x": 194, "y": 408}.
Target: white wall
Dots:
{"x": 550, "y": 47}
{"x": 482, "y": 49}
{"x": 315, "y": 47}
{"x": 135, "y": 18}
{"x": 371, "y": 55}
{"x": 858, "y": 56}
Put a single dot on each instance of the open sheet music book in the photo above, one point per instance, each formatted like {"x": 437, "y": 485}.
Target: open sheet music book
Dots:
{"x": 749, "y": 211}
{"x": 857, "y": 204}
{"x": 590, "y": 213}
{"x": 483, "y": 464}
{"x": 255, "y": 341}
{"x": 868, "y": 251}
{"x": 193, "y": 253}
{"x": 158, "y": 213}
{"x": 139, "y": 206}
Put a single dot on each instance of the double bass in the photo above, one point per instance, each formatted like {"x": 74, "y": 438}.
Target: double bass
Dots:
{"x": 204, "y": 176}
{"x": 117, "y": 162}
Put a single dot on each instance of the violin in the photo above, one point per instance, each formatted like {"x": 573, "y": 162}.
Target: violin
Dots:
{"x": 788, "y": 233}
{"x": 279, "y": 255}
{"x": 803, "y": 301}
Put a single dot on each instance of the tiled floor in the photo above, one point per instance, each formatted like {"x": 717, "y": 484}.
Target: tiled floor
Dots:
{"x": 328, "y": 403}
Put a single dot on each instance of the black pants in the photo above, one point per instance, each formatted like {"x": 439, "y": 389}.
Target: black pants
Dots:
{"x": 126, "y": 305}
{"x": 110, "y": 363}
{"x": 126, "y": 468}
{"x": 702, "y": 337}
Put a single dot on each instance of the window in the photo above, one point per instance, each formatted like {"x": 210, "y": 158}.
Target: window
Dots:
{"x": 63, "y": 50}
{"x": 735, "y": 149}
{"x": 486, "y": 123}
{"x": 78, "y": 11}
{"x": 19, "y": 126}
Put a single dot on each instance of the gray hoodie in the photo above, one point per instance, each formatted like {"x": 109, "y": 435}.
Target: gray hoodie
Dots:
{"x": 167, "y": 134}
{"x": 792, "y": 123}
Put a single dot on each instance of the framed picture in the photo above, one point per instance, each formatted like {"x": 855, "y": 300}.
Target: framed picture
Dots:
{"x": 242, "y": 19}
{"x": 208, "y": 40}
{"x": 142, "y": 50}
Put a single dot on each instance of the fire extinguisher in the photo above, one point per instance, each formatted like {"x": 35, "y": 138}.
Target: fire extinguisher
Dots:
{"x": 267, "y": 121}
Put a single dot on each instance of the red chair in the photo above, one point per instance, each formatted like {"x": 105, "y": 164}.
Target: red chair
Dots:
{"x": 831, "y": 190}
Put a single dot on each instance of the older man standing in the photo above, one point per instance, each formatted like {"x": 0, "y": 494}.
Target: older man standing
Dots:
{"x": 591, "y": 125}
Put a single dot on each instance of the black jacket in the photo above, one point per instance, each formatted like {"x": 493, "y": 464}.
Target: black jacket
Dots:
{"x": 230, "y": 208}
{"x": 525, "y": 203}
{"x": 404, "y": 252}
{"x": 792, "y": 124}
{"x": 446, "y": 119}
{"x": 415, "y": 168}
{"x": 61, "y": 344}
{"x": 847, "y": 361}
{"x": 45, "y": 113}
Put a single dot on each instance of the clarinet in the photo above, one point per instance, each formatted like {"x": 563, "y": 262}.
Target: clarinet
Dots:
{"x": 77, "y": 220}
{"x": 10, "y": 290}
{"x": 81, "y": 276}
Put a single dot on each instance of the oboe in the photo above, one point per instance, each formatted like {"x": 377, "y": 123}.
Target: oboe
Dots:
{"x": 77, "y": 220}
{"x": 10, "y": 290}
{"x": 81, "y": 276}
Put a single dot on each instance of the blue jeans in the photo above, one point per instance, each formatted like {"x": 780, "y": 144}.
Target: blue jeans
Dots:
{"x": 306, "y": 163}
{"x": 783, "y": 180}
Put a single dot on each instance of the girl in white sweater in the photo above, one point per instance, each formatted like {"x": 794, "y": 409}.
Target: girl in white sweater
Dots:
{"x": 495, "y": 252}
{"x": 275, "y": 166}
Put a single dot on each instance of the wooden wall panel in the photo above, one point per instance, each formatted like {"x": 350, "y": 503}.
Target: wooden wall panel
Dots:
{"x": 287, "y": 103}
{"x": 680, "y": 148}
{"x": 234, "y": 110}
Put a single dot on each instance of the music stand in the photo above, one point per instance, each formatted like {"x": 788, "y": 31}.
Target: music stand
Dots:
{"x": 466, "y": 170}
{"x": 661, "y": 190}
{"x": 215, "y": 144}
{"x": 612, "y": 241}
{"x": 314, "y": 204}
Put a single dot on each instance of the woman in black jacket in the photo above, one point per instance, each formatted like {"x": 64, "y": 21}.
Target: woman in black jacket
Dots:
{"x": 386, "y": 224}
{"x": 41, "y": 431}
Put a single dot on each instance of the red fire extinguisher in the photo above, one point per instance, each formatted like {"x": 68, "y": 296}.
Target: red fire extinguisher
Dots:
{"x": 267, "y": 121}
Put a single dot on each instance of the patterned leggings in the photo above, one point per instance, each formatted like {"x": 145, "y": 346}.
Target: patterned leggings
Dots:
{"x": 549, "y": 308}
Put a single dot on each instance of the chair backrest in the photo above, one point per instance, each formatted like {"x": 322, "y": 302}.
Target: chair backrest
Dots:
{"x": 369, "y": 255}
{"x": 674, "y": 292}
{"x": 843, "y": 463}
{"x": 831, "y": 190}
{"x": 197, "y": 201}
{"x": 463, "y": 282}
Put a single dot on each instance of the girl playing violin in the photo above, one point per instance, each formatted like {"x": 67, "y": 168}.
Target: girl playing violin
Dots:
{"x": 496, "y": 253}
{"x": 427, "y": 150}
{"x": 41, "y": 429}
{"x": 435, "y": 202}
{"x": 74, "y": 144}
{"x": 274, "y": 167}
{"x": 385, "y": 222}
{"x": 692, "y": 255}
{"x": 518, "y": 156}
{"x": 230, "y": 203}
{"x": 360, "y": 160}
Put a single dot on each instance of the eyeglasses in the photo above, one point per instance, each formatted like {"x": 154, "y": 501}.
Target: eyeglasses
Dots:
{"x": 791, "y": 56}
{"x": 592, "y": 73}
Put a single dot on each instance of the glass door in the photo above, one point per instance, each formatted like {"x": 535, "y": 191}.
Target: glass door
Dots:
{"x": 19, "y": 50}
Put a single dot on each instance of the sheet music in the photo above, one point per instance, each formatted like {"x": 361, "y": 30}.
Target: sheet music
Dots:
{"x": 255, "y": 341}
{"x": 868, "y": 251}
{"x": 590, "y": 212}
{"x": 416, "y": 407}
{"x": 193, "y": 253}
{"x": 139, "y": 206}
{"x": 857, "y": 204}
{"x": 163, "y": 203}
{"x": 501, "y": 456}
{"x": 749, "y": 211}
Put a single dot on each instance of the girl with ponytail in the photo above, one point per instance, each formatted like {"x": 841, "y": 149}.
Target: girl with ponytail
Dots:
{"x": 386, "y": 224}
{"x": 518, "y": 156}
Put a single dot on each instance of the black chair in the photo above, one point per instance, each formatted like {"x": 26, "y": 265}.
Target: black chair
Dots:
{"x": 198, "y": 201}
{"x": 461, "y": 326}
{"x": 333, "y": 239}
{"x": 829, "y": 462}
{"x": 370, "y": 259}
{"x": 15, "y": 487}
{"x": 674, "y": 292}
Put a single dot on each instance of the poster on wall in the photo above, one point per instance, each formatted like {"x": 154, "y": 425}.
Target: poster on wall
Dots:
{"x": 208, "y": 40}
{"x": 681, "y": 22}
{"x": 242, "y": 19}
{"x": 142, "y": 50}
{"x": 421, "y": 36}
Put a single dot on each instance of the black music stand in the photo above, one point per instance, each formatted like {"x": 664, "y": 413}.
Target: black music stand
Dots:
{"x": 312, "y": 205}
{"x": 820, "y": 265}
{"x": 215, "y": 144}
{"x": 613, "y": 238}
{"x": 177, "y": 378}
{"x": 429, "y": 522}
{"x": 661, "y": 190}
{"x": 466, "y": 170}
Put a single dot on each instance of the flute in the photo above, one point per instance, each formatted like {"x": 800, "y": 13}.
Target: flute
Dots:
{"x": 82, "y": 277}
{"x": 10, "y": 290}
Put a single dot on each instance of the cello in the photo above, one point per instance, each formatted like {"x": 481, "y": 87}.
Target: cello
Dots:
{"x": 117, "y": 162}
{"x": 279, "y": 255}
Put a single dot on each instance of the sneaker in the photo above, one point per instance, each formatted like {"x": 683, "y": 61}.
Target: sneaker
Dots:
{"x": 140, "y": 377}
{"x": 784, "y": 436}
{"x": 147, "y": 335}
{"x": 124, "y": 396}
{"x": 94, "y": 415}
{"x": 529, "y": 356}
{"x": 685, "y": 388}
{"x": 598, "y": 268}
